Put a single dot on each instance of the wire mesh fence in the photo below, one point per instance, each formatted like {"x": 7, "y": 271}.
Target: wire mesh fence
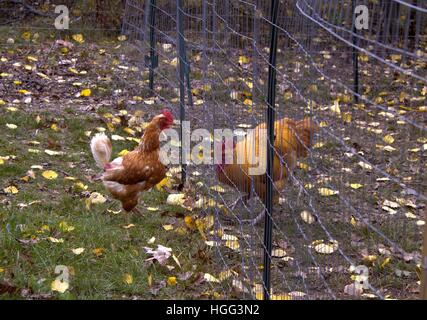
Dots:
{"x": 345, "y": 192}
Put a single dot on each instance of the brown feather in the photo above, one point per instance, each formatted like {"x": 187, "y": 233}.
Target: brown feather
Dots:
{"x": 141, "y": 169}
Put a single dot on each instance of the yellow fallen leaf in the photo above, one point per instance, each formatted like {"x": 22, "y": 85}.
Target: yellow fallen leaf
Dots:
{"x": 65, "y": 227}
{"x": 189, "y": 222}
{"x": 307, "y": 217}
{"x": 127, "y": 278}
{"x": 388, "y": 139}
{"x": 172, "y": 281}
{"x": 385, "y": 262}
{"x": 11, "y": 189}
{"x": 94, "y": 198}
{"x": 55, "y": 240}
{"x": 247, "y": 102}
{"x": 365, "y": 165}
{"x": 356, "y": 186}
{"x": 24, "y": 92}
{"x": 223, "y": 275}
{"x": 80, "y": 185}
{"x": 98, "y": 251}
{"x": 229, "y": 237}
{"x": 281, "y": 297}
{"x": 176, "y": 199}
{"x": 123, "y": 152}
{"x": 54, "y": 153}
{"x": 129, "y": 226}
{"x": 326, "y": 248}
{"x": 116, "y": 137}
{"x": 346, "y": 117}
{"x": 176, "y": 260}
{"x": 164, "y": 183}
{"x": 278, "y": 253}
{"x": 336, "y": 107}
{"x": 319, "y": 145}
{"x": 26, "y": 36}
{"x": 54, "y": 127}
{"x": 210, "y": 278}
{"x": 243, "y": 60}
{"x": 391, "y": 204}
{"x": 73, "y": 70}
{"x": 85, "y": 93}
{"x": 288, "y": 95}
{"x": 32, "y": 58}
{"x": 327, "y": 192}
{"x": 303, "y": 166}
{"x": 78, "y": 38}
{"x": 78, "y": 251}
{"x": 395, "y": 57}
{"x": 11, "y": 126}
{"x": 167, "y": 227}
{"x": 60, "y": 286}
{"x": 150, "y": 280}
{"x": 129, "y": 131}
{"x": 218, "y": 188}
{"x": 232, "y": 244}
{"x": 49, "y": 174}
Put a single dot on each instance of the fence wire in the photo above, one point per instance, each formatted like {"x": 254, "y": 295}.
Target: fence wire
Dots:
{"x": 355, "y": 196}
{"x": 352, "y": 196}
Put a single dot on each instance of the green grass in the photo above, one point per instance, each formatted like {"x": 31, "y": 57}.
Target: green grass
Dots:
{"x": 26, "y": 265}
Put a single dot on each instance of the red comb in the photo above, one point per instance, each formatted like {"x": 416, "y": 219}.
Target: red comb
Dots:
{"x": 167, "y": 114}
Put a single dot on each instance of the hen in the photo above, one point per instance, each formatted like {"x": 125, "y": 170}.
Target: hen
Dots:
{"x": 292, "y": 141}
{"x": 139, "y": 170}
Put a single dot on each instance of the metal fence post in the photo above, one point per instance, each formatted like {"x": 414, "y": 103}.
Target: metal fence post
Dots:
{"x": 423, "y": 291}
{"x": 181, "y": 72}
{"x": 355, "y": 54}
{"x": 153, "y": 57}
{"x": 187, "y": 77}
{"x": 271, "y": 113}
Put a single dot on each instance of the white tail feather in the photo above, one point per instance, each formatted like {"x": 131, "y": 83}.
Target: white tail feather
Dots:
{"x": 101, "y": 149}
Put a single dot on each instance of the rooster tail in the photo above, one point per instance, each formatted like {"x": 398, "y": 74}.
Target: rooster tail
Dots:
{"x": 305, "y": 130}
{"x": 101, "y": 149}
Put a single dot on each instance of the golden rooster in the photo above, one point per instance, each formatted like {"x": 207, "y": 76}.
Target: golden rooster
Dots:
{"x": 292, "y": 141}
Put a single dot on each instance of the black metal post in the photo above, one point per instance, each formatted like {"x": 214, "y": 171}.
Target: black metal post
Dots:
{"x": 153, "y": 57}
{"x": 181, "y": 72}
{"x": 187, "y": 78}
{"x": 355, "y": 55}
{"x": 271, "y": 114}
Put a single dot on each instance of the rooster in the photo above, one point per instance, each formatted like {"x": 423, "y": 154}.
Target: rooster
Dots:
{"x": 292, "y": 141}
{"x": 139, "y": 170}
